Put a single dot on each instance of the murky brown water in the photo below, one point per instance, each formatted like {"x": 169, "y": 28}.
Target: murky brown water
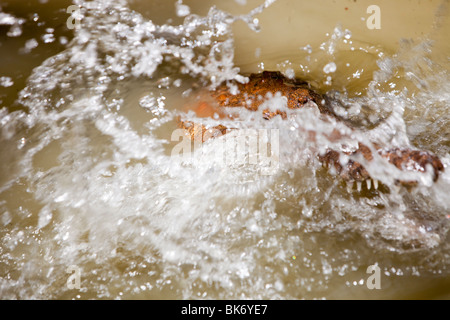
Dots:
{"x": 87, "y": 179}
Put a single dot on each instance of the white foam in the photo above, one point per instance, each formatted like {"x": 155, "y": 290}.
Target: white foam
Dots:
{"x": 110, "y": 198}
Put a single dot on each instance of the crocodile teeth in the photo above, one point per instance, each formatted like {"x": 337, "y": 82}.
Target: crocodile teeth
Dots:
{"x": 369, "y": 184}
{"x": 359, "y": 186}
{"x": 349, "y": 186}
{"x": 375, "y": 184}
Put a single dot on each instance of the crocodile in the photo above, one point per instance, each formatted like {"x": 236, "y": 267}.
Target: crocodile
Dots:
{"x": 250, "y": 95}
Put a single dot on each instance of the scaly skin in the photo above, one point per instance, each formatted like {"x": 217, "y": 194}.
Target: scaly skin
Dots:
{"x": 250, "y": 96}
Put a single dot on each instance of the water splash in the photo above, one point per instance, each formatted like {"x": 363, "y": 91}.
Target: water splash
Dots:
{"x": 99, "y": 189}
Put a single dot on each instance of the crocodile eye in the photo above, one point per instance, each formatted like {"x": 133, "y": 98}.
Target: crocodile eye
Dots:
{"x": 303, "y": 100}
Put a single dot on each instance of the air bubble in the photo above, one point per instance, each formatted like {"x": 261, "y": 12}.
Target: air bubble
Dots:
{"x": 330, "y": 68}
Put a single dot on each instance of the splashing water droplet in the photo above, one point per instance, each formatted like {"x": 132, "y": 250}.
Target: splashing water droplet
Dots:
{"x": 330, "y": 68}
